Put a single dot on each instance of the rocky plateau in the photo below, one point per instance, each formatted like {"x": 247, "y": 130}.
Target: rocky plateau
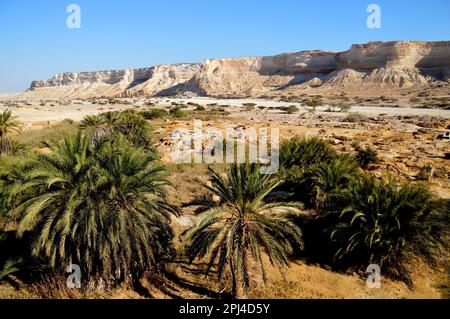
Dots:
{"x": 376, "y": 66}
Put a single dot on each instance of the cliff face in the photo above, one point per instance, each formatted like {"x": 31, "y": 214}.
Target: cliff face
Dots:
{"x": 376, "y": 64}
{"x": 166, "y": 79}
{"x": 104, "y": 77}
{"x": 377, "y": 55}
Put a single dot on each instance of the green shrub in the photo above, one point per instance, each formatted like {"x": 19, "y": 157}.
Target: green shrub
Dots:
{"x": 313, "y": 102}
{"x": 385, "y": 223}
{"x": 200, "y": 108}
{"x": 5, "y": 205}
{"x": 91, "y": 121}
{"x": 155, "y": 114}
{"x": 304, "y": 152}
{"x": 327, "y": 180}
{"x": 366, "y": 156}
{"x": 130, "y": 123}
{"x": 177, "y": 113}
{"x": 291, "y": 109}
{"x": 298, "y": 157}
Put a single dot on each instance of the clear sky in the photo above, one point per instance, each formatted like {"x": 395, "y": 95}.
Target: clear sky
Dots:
{"x": 35, "y": 42}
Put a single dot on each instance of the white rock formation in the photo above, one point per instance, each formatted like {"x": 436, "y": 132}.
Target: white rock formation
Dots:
{"x": 376, "y": 65}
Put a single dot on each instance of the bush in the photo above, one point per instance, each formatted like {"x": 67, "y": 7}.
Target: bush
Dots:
{"x": 304, "y": 152}
{"x": 69, "y": 121}
{"x": 384, "y": 223}
{"x": 134, "y": 127}
{"x": 291, "y": 109}
{"x": 356, "y": 118}
{"x": 92, "y": 121}
{"x": 327, "y": 180}
{"x": 129, "y": 123}
{"x": 200, "y": 108}
{"x": 249, "y": 106}
{"x": 177, "y": 113}
{"x": 366, "y": 157}
{"x": 5, "y": 205}
{"x": 155, "y": 114}
{"x": 298, "y": 157}
{"x": 378, "y": 221}
{"x": 313, "y": 102}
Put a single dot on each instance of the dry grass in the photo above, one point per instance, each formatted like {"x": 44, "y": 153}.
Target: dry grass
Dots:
{"x": 34, "y": 137}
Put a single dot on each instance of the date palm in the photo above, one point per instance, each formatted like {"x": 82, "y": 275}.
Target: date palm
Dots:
{"x": 99, "y": 206}
{"x": 8, "y": 124}
{"x": 302, "y": 152}
{"x": 10, "y": 267}
{"x": 384, "y": 222}
{"x": 328, "y": 179}
{"x": 130, "y": 123}
{"x": 244, "y": 225}
{"x": 92, "y": 121}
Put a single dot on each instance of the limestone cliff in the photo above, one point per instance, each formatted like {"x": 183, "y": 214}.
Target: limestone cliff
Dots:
{"x": 395, "y": 64}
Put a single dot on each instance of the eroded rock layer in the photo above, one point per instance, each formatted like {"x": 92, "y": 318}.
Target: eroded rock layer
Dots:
{"x": 377, "y": 65}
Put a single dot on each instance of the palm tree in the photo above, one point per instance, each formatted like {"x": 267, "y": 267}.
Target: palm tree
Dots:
{"x": 99, "y": 206}
{"x": 130, "y": 123}
{"x": 92, "y": 121}
{"x": 297, "y": 156}
{"x": 134, "y": 126}
{"x": 10, "y": 267}
{"x": 303, "y": 152}
{"x": 366, "y": 156}
{"x": 383, "y": 222}
{"x": 328, "y": 179}
{"x": 246, "y": 222}
{"x": 8, "y": 124}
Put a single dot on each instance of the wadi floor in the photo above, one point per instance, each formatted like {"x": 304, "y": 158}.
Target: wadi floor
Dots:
{"x": 406, "y": 139}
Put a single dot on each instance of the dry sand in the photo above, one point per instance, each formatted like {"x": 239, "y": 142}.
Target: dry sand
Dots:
{"x": 32, "y": 111}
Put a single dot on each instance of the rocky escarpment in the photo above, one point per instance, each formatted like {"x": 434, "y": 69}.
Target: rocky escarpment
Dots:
{"x": 374, "y": 65}
{"x": 105, "y": 77}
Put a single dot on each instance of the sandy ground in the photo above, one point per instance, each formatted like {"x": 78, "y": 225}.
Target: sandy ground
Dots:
{"x": 369, "y": 110}
{"x": 36, "y": 113}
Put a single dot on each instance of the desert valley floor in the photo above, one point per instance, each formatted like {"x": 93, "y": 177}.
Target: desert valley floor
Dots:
{"x": 408, "y": 138}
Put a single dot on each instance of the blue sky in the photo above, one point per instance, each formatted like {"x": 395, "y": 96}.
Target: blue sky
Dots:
{"x": 35, "y": 42}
